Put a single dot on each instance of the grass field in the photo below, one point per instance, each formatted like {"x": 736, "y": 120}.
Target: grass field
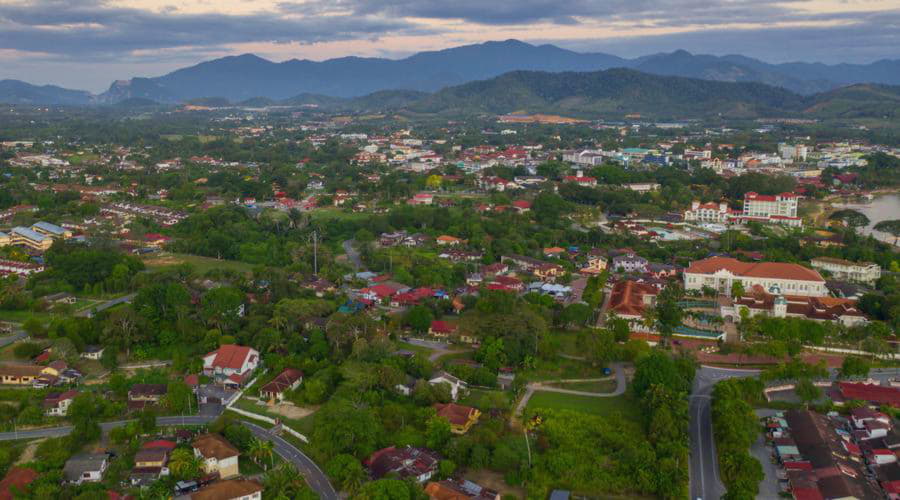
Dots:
{"x": 563, "y": 369}
{"x": 595, "y": 406}
{"x": 21, "y": 316}
{"x": 201, "y": 264}
{"x": 485, "y": 399}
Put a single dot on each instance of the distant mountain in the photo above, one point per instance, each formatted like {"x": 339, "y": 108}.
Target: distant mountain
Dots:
{"x": 611, "y": 92}
{"x": 242, "y": 78}
{"x": 18, "y": 92}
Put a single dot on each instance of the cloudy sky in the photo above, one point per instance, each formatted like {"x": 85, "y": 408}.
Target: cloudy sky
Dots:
{"x": 89, "y": 43}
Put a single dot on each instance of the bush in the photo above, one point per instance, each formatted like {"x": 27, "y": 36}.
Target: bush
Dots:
{"x": 27, "y": 350}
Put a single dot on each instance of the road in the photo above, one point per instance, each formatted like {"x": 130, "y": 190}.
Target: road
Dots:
{"x": 316, "y": 479}
{"x": 352, "y": 255}
{"x": 89, "y": 312}
{"x": 530, "y": 389}
{"x": 16, "y": 336}
{"x": 705, "y": 482}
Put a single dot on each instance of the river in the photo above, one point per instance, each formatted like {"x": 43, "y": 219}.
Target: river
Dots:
{"x": 883, "y": 207}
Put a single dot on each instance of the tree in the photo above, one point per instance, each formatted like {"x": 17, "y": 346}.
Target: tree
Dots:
{"x": 433, "y": 181}
{"x": 667, "y": 311}
{"x": 807, "y": 391}
{"x": 262, "y": 451}
{"x": 575, "y": 314}
{"x": 110, "y": 358}
{"x": 852, "y": 218}
{"x": 419, "y": 318}
{"x": 388, "y": 489}
{"x": 854, "y": 366}
{"x": 737, "y": 289}
{"x": 285, "y": 482}
{"x": 178, "y": 397}
{"x": 184, "y": 464}
{"x": 220, "y": 307}
{"x": 437, "y": 433}
{"x": 34, "y": 328}
{"x": 122, "y": 328}
{"x": 891, "y": 227}
{"x": 346, "y": 471}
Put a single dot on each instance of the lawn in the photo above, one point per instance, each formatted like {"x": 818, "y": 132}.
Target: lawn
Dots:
{"x": 563, "y": 369}
{"x": 21, "y": 316}
{"x": 600, "y": 387}
{"x": 624, "y": 405}
{"x": 201, "y": 264}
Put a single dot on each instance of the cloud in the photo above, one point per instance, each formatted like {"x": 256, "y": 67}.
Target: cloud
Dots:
{"x": 93, "y": 28}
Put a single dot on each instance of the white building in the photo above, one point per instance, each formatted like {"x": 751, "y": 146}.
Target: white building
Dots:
{"x": 771, "y": 209}
{"x": 707, "y": 212}
{"x": 720, "y": 273}
{"x": 231, "y": 363}
{"x": 457, "y": 386}
{"x": 863, "y": 272}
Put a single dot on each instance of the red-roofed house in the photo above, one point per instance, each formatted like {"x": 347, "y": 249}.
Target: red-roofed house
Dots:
{"x": 720, "y": 273}
{"x": 629, "y": 299}
{"x": 521, "y": 206}
{"x": 232, "y": 362}
{"x": 441, "y": 328}
{"x": 581, "y": 179}
{"x": 461, "y": 417}
{"x": 873, "y": 394}
{"x": 287, "y": 380}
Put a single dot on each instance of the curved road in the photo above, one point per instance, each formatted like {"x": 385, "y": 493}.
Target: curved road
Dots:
{"x": 316, "y": 479}
{"x": 618, "y": 368}
{"x": 705, "y": 482}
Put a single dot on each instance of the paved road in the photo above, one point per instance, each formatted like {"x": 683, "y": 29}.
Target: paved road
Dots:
{"x": 16, "y": 336}
{"x": 530, "y": 389}
{"x": 316, "y": 479}
{"x": 89, "y": 312}
{"x": 352, "y": 255}
{"x": 705, "y": 481}
{"x": 440, "y": 348}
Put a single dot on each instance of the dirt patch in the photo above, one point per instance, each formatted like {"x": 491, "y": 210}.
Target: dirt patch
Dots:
{"x": 494, "y": 481}
{"x": 290, "y": 411}
{"x": 164, "y": 260}
{"x": 28, "y": 453}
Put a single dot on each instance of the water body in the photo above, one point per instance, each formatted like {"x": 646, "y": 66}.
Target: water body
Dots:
{"x": 884, "y": 207}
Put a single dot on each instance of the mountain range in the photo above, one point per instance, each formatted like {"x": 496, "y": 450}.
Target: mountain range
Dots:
{"x": 238, "y": 78}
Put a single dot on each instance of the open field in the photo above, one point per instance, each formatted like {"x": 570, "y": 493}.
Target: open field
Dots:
{"x": 21, "y": 316}
{"x": 200, "y": 264}
{"x": 595, "y": 406}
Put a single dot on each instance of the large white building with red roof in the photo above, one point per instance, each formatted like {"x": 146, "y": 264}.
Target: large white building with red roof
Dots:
{"x": 772, "y": 209}
{"x": 231, "y": 363}
{"x": 720, "y": 273}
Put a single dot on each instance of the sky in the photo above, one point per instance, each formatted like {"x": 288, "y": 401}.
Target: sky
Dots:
{"x": 87, "y": 44}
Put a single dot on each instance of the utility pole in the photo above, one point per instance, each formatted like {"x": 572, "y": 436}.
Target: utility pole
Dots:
{"x": 315, "y": 240}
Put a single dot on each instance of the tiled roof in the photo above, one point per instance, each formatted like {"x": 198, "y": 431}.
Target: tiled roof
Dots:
{"x": 774, "y": 270}
{"x": 627, "y": 297}
{"x": 214, "y": 445}
{"x": 456, "y": 414}
{"x": 283, "y": 381}
{"x": 231, "y": 488}
{"x": 230, "y": 356}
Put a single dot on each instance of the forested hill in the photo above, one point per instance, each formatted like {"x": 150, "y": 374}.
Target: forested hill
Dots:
{"x": 615, "y": 91}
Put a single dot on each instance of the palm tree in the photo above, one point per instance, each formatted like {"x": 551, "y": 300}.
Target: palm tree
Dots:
{"x": 184, "y": 464}
{"x": 261, "y": 450}
{"x": 284, "y": 480}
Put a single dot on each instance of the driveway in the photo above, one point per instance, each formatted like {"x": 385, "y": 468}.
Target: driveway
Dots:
{"x": 352, "y": 255}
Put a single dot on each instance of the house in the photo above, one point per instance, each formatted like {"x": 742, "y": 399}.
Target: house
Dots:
{"x": 56, "y": 404}
{"x": 143, "y": 395}
{"x": 19, "y": 373}
{"x": 459, "y": 489}
{"x": 776, "y": 304}
{"x": 554, "y": 252}
{"x": 409, "y": 462}
{"x": 231, "y": 364}
{"x": 442, "y": 329}
{"x": 288, "y": 380}
{"x": 713, "y": 213}
{"x": 629, "y": 300}
{"x": 457, "y": 386}
{"x": 93, "y": 352}
{"x": 16, "y": 480}
{"x": 581, "y": 179}
{"x": 16, "y": 267}
{"x": 231, "y": 489}
{"x": 447, "y": 240}
{"x": 860, "y": 272}
{"x": 149, "y": 465}
{"x": 218, "y": 455}
{"x": 85, "y": 468}
{"x": 548, "y": 271}
{"x": 521, "y": 206}
{"x": 872, "y": 394}
{"x": 719, "y": 273}
{"x": 629, "y": 263}
{"x": 461, "y": 417}
{"x": 595, "y": 264}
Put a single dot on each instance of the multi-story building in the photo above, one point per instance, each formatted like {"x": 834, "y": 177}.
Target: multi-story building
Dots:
{"x": 218, "y": 455}
{"x": 720, "y": 273}
{"x": 771, "y": 209}
{"x": 862, "y": 272}
{"x": 773, "y": 303}
{"x": 717, "y": 213}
